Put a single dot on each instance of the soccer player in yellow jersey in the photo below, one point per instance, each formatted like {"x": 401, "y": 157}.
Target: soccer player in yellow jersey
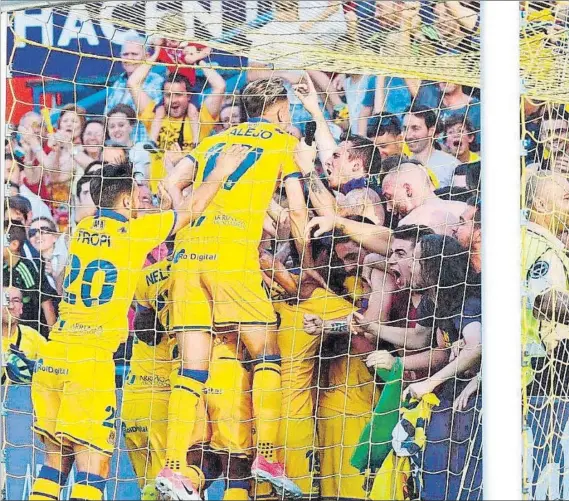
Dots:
{"x": 545, "y": 269}
{"x": 344, "y": 408}
{"x": 74, "y": 398}
{"x": 147, "y": 387}
{"x": 216, "y": 277}
{"x": 227, "y": 429}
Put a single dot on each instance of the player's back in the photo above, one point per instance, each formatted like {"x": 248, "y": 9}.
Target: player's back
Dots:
{"x": 351, "y": 388}
{"x": 106, "y": 255}
{"x": 299, "y": 349}
{"x": 237, "y": 212}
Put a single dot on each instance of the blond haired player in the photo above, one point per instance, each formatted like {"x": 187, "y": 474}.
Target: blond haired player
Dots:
{"x": 75, "y": 412}
{"x": 217, "y": 281}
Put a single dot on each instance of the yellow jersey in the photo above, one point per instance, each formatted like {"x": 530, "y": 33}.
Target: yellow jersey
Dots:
{"x": 152, "y": 291}
{"x": 152, "y": 366}
{"x": 26, "y": 339}
{"x": 174, "y": 131}
{"x": 351, "y": 388}
{"x": 237, "y": 212}
{"x": 299, "y": 350}
{"x": 106, "y": 256}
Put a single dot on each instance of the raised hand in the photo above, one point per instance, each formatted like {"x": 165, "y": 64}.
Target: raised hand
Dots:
{"x": 307, "y": 94}
{"x": 230, "y": 158}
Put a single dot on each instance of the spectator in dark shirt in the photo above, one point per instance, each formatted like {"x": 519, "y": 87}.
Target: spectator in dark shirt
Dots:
{"x": 20, "y": 212}
{"x": 469, "y": 233}
{"x": 385, "y": 132}
{"x": 37, "y": 294}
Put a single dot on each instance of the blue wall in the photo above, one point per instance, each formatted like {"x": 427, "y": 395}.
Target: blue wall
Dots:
{"x": 23, "y": 454}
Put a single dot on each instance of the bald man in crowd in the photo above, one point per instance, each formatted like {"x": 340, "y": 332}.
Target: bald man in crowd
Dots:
{"x": 411, "y": 196}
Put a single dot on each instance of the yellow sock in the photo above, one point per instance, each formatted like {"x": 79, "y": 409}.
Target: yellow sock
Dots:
{"x": 267, "y": 400}
{"x": 262, "y": 491}
{"x": 233, "y": 494}
{"x": 88, "y": 486}
{"x": 87, "y": 492}
{"x": 45, "y": 489}
{"x": 182, "y": 413}
{"x": 48, "y": 484}
{"x": 196, "y": 475}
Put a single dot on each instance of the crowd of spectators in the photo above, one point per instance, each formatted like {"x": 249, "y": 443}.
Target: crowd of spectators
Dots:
{"x": 392, "y": 180}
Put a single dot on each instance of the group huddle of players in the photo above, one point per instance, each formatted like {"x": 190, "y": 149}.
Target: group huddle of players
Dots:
{"x": 229, "y": 369}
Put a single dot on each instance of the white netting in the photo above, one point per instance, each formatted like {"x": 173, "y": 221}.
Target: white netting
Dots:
{"x": 170, "y": 85}
{"x": 545, "y": 128}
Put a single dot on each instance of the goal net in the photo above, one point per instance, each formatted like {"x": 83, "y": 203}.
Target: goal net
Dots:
{"x": 545, "y": 125}
{"x": 347, "y": 238}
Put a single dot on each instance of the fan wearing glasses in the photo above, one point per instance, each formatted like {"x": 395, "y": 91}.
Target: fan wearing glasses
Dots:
{"x": 42, "y": 234}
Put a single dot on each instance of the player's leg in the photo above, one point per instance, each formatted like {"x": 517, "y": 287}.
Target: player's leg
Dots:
{"x": 134, "y": 411}
{"x": 261, "y": 343}
{"x": 87, "y": 416}
{"x": 191, "y": 320}
{"x": 230, "y": 409}
{"x": 298, "y": 451}
{"x": 339, "y": 435}
{"x": 241, "y": 300}
{"x": 238, "y": 471}
{"x": 92, "y": 472}
{"x": 187, "y": 391}
{"x": 47, "y": 390}
{"x": 53, "y": 473}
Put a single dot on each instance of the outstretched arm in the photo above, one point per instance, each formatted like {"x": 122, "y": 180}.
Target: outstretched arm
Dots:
{"x": 373, "y": 238}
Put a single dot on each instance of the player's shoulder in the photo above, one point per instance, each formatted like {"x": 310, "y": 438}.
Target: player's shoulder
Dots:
{"x": 32, "y": 334}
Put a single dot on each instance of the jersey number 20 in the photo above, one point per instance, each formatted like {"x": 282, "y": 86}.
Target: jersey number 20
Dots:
{"x": 98, "y": 265}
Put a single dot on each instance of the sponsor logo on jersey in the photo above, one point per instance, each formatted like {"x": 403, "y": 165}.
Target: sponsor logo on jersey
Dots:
{"x": 58, "y": 371}
{"x": 193, "y": 256}
{"x": 224, "y": 220}
{"x": 539, "y": 270}
{"x": 134, "y": 429}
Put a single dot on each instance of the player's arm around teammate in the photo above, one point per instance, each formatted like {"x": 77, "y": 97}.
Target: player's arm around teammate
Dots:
{"x": 190, "y": 206}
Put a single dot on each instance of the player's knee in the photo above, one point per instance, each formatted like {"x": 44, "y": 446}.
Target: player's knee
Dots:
{"x": 93, "y": 462}
{"x": 259, "y": 348}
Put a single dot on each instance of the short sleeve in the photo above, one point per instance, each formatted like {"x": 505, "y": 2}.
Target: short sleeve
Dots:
{"x": 547, "y": 273}
{"x": 207, "y": 122}
{"x": 151, "y": 230}
{"x": 146, "y": 116}
{"x": 153, "y": 87}
{"x": 289, "y": 167}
